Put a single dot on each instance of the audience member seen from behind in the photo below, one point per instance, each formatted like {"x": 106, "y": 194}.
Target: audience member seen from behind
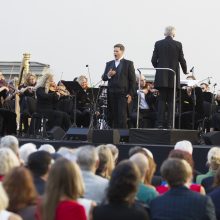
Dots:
{"x": 25, "y": 150}
{"x": 214, "y": 165}
{"x": 21, "y": 192}
{"x": 188, "y": 158}
{"x": 145, "y": 193}
{"x": 4, "y": 214}
{"x": 179, "y": 201}
{"x": 213, "y": 153}
{"x": 95, "y": 186}
{"x": 121, "y": 193}
{"x": 106, "y": 162}
{"x": 47, "y": 147}
{"x": 8, "y": 161}
{"x": 39, "y": 164}
{"x": 215, "y": 194}
{"x": 62, "y": 192}
{"x": 150, "y": 179}
{"x": 114, "y": 150}
{"x": 10, "y": 141}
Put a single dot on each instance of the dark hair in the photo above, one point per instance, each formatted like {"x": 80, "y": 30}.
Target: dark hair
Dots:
{"x": 137, "y": 149}
{"x": 20, "y": 188}
{"x": 175, "y": 171}
{"x": 124, "y": 182}
{"x": 182, "y": 155}
{"x": 120, "y": 46}
{"x": 38, "y": 162}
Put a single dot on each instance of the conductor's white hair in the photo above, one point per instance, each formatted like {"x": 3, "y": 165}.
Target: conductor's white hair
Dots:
{"x": 170, "y": 31}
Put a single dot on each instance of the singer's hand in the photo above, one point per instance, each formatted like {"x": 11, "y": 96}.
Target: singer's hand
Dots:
{"x": 129, "y": 99}
{"x": 111, "y": 72}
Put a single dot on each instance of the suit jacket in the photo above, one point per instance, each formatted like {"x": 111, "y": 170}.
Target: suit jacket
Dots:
{"x": 215, "y": 196}
{"x": 168, "y": 53}
{"x": 124, "y": 80}
{"x": 182, "y": 204}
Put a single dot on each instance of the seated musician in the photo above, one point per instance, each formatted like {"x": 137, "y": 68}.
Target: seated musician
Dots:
{"x": 147, "y": 111}
{"x": 207, "y": 95}
{"x": 191, "y": 104}
{"x": 215, "y": 120}
{"x": 83, "y": 104}
{"x": 47, "y": 97}
{"x": 27, "y": 98}
{"x": 7, "y": 117}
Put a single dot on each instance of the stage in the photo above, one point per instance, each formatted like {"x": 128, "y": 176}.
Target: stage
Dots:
{"x": 160, "y": 151}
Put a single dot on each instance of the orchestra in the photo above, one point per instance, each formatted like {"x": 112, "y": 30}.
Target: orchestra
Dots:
{"x": 56, "y": 103}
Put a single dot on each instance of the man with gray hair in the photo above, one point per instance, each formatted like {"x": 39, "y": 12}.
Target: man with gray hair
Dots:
{"x": 11, "y": 142}
{"x": 167, "y": 53}
{"x": 95, "y": 186}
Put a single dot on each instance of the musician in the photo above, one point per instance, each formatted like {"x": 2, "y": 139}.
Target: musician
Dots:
{"x": 147, "y": 109}
{"x": 83, "y": 105}
{"x": 120, "y": 75}
{"x": 167, "y": 53}
{"x": 191, "y": 103}
{"x": 27, "y": 99}
{"x": 46, "y": 101}
{"x": 7, "y": 117}
{"x": 207, "y": 95}
{"x": 215, "y": 120}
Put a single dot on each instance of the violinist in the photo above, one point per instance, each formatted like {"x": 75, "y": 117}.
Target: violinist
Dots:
{"x": 191, "y": 104}
{"x": 7, "y": 117}
{"x": 83, "y": 103}
{"x": 147, "y": 105}
{"x": 28, "y": 101}
{"x": 47, "y": 97}
{"x": 215, "y": 120}
{"x": 65, "y": 102}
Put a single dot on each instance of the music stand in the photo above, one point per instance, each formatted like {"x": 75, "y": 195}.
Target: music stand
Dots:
{"x": 74, "y": 88}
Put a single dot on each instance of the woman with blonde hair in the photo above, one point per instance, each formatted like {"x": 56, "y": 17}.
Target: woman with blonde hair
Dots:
{"x": 47, "y": 98}
{"x": 106, "y": 162}
{"x": 62, "y": 191}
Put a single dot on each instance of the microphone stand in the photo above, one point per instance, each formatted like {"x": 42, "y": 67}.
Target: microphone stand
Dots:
{"x": 194, "y": 102}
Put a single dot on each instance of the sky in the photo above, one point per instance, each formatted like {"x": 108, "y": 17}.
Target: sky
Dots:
{"x": 70, "y": 34}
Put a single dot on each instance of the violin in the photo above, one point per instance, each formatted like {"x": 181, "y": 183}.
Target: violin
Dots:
{"x": 60, "y": 90}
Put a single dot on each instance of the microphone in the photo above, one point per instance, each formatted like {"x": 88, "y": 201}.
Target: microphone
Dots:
{"x": 87, "y": 65}
{"x": 215, "y": 85}
{"x": 191, "y": 70}
{"x": 209, "y": 82}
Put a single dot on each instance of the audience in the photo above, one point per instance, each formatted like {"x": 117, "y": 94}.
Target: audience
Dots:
{"x": 39, "y": 164}
{"x": 114, "y": 150}
{"x": 121, "y": 193}
{"x": 184, "y": 146}
{"x": 8, "y": 161}
{"x": 179, "y": 202}
{"x": 214, "y": 152}
{"x": 11, "y": 142}
{"x": 145, "y": 193}
{"x": 4, "y": 214}
{"x": 62, "y": 192}
{"x": 95, "y": 186}
{"x": 22, "y": 194}
{"x": 25, "y": 150}
{"x": 106, "y": 162}
{"x": 47, "y": 147}
{"x": 215, "y": 194}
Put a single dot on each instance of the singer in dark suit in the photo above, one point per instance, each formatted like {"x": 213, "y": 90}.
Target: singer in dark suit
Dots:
{"x": 168, "y": 53}
{"x": 120, "y": 75}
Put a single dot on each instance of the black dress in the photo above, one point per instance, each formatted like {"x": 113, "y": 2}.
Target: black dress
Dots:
{"x": 46, "y": 103}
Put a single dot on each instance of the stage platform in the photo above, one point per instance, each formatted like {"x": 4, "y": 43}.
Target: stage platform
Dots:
{"x": 160, "y": 152}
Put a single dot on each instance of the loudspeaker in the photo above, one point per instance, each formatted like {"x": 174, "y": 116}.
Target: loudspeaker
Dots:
{"x": 76, "y": 134}
{"x": 162, "y": 136}
{"x": 110, "y": 136}
{"x": 124, "y": 135}
{"x": 212, "y": 138}
{"x": 56, "y": 133}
